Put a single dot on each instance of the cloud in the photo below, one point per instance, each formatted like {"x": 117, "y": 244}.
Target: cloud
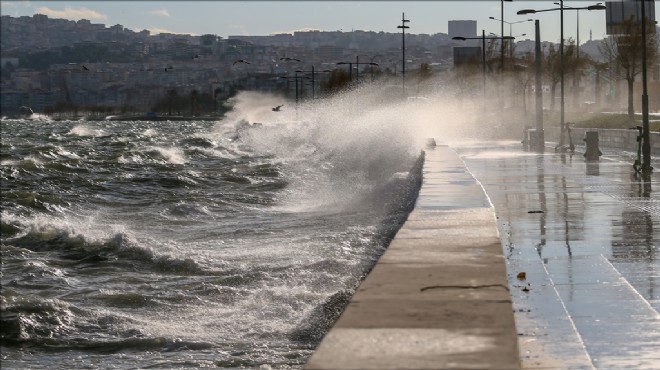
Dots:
{"x": 160, "y": 12}
{"x": 72, "y": 13}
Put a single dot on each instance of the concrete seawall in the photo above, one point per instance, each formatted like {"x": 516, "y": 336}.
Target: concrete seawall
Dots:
{"x": 438, "y": 298}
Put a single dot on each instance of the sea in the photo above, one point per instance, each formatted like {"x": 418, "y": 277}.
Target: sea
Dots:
{"x": 232, "y": 243}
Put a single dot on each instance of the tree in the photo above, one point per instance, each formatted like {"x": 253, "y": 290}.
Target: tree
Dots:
{"x": 552, "y": 71}
{"x": 624, "y": 49}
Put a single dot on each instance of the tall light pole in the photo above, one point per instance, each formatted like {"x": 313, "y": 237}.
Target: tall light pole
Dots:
{"x": 502, "y": 33}
{"x": 562, "y": 125}
{"x": 372, "y": 65}
{"x": 403, "y": 47}
{"x": 646, "y": 144}
{"x": 577, "y": 50}
{"x": 313, "y": 78}
{"x": 540, "y": 138}
{"x": 510, "y": 31}
{"x": 483, "y": 53}
{"x": 350, "y": 69}
{"x": 357, "y": 64}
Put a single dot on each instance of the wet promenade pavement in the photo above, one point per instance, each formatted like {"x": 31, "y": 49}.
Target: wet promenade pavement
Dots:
{"x": 582, "y": 246}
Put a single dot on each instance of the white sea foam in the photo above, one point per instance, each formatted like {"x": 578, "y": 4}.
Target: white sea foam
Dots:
{"x": 85, "y": 130}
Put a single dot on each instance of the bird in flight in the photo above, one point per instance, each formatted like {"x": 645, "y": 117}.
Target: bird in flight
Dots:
{"x": 277, "y": 109}
{"x": 241, "y": 61}
{"x": 168, "y": 68}
{"x": 85, "y": 68}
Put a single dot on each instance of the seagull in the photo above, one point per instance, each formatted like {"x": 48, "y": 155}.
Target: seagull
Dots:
{"x": 85, "y": 68}
{"x": 277, "y": 109}
{"x": 241, "y": 61}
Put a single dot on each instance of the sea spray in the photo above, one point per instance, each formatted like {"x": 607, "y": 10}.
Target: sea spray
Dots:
{"x": 216, "y": 242}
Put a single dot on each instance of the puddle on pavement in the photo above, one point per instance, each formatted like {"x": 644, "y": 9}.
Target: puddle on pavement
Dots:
{"x": 587, "y": 237}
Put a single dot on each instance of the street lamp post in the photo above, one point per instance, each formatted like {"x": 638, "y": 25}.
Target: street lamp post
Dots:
{"x": 562, "y": 125}
{"x": 510, "y": 31}
{"x": 483, "y": 53}
{"x": 646, "y": 144}
{"x": 540, "y": 138}
{"x": 350, "y": 69}
{"x": 403, "y": 48}
{"x": 577, "y": 50}
{"x": 357, "y": 63}
{"x": 313, "y": 79}
{"x": 373, "y": 64}
{"x": 502, "y": 33}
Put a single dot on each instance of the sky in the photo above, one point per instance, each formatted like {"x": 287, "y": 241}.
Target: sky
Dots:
{"x": 255, "y": 18}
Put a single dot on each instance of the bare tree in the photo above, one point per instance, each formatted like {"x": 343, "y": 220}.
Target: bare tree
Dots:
{"x": 553, "y": 67}
{"x": 625, "y": 51}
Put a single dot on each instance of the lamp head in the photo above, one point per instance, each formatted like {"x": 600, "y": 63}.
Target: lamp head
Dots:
{"x": 598, "y": 6}
{"x": 526, "y": 11}
{"x": 460, "y": 38}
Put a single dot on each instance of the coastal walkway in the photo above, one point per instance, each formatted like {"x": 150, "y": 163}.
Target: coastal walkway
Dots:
{"x": 557, "y": 267}
{"x": 438, "y": 298}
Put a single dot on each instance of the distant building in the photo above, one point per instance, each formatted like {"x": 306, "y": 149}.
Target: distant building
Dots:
{"x": 462, "y": 28}
{"x": 618, "y": 11}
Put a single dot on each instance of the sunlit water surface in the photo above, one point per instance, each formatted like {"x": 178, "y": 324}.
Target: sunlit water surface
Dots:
{"x": 137, "y": 244}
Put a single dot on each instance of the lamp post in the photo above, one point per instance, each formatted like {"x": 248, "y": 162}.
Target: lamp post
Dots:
{"x": 577, "y": 50}
{"x": 357, "y": 63}
{"x": 313, "y": 80}
{"x": 502, "y": 33}
{"x": 540, "y": 138}
{"x": 374, "y": 64}
{"x": 510, "y": 31}
{"x": 350, "y": 69}
{"x": 646, "y": 144}
{"x": 483, "y": 53}
{"x": 562, "y": 125}
{"x": 403, "y": 48}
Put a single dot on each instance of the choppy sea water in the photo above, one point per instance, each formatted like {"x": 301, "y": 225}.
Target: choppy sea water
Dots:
{"x": 235, "y": 243}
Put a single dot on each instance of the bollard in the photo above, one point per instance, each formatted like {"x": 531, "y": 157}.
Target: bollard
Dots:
{"x": 536, "y": 141}
{"x": 525, "y": 140}
{"x": 532, "y": 139}
{"x": 592, "y": 152}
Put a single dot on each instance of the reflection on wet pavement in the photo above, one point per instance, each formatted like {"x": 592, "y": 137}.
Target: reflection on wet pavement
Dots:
{"x": 587, "y": 236}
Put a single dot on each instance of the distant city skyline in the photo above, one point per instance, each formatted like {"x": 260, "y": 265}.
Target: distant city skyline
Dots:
{"x": 255, "y": 18}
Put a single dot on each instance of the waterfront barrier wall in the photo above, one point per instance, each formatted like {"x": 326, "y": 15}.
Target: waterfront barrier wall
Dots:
{"x": 622, "y": 139}
{"x": 438, "y": 298}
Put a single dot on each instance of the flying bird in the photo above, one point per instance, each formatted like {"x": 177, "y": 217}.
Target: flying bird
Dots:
{"x": 85, "y": 68}
{"x": 241, "y": 61}
{"x": 168, "y": 68}
{"x": 277, "y": 109}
